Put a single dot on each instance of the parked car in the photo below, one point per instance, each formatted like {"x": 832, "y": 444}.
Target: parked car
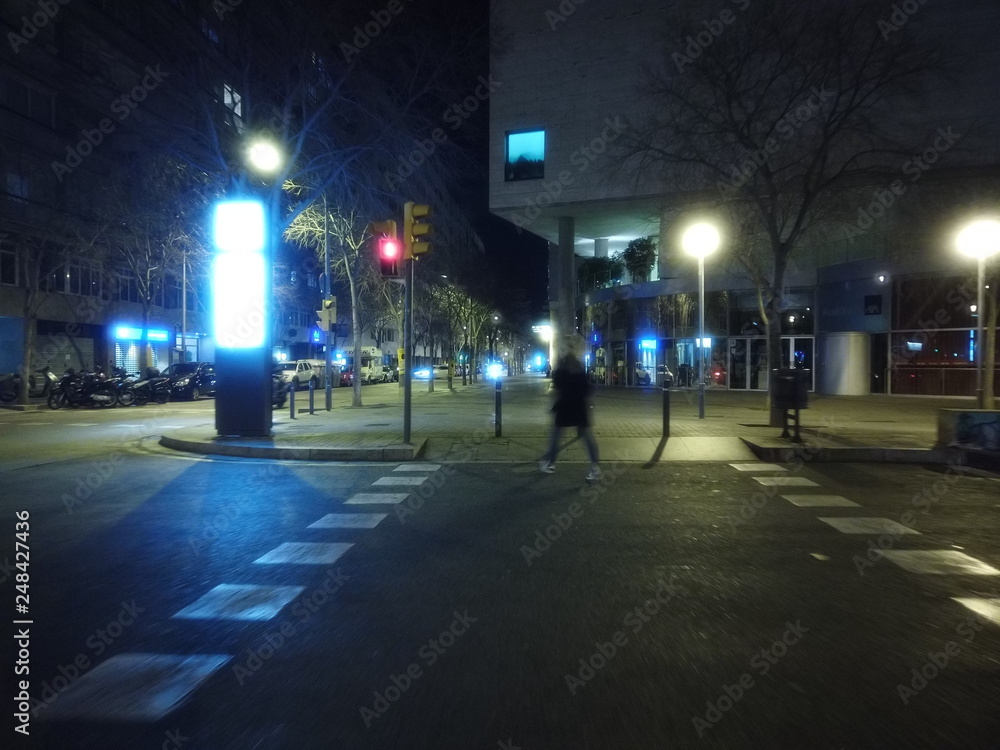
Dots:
{"x": 346, "y": 377}
{"x": 642, "y": 375}
{"x": 300, "y": 373}
{"x": 390, "y": 374}
{"x": 191, "y": 379}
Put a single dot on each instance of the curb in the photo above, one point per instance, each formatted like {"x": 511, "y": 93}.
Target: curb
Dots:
{"x": 25, "y": 407}
{"x": 391, "y": 453}
{"x": 793, "y": 451}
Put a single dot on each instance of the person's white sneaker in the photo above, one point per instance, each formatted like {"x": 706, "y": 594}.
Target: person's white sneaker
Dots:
{"x": 595, "y": 474}
{"x": 546, "y": 467}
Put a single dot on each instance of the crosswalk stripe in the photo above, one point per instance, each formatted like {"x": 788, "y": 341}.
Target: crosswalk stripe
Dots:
{"x": 134, "y": 687}
{"x": 758, "y": 467}
{"x": 304, "y": 553}
{"x": 240, "y": 602}
{"x": 988, "y": 608}
{"x": 377, "y": 498}
{"x": 820, "y": 501}
{"x": 939, "y": 562}
{"x": 417, "y": 467}
{"x": 786, "y": 482}
{"x": 399, "y": 481}
{"x": 868, "y": 526}
{"x": 349, "y": 521}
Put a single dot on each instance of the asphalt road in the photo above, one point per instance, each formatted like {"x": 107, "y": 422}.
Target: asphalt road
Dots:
{"x": 684, "y": 605}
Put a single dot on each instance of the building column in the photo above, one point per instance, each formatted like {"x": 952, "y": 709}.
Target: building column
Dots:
{"x": 663, "y": 270}
{"x": 565, "y": 318}
{"x": 601, "y": 247}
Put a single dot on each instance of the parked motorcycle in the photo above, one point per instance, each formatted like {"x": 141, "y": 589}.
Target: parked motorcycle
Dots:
{"x": 153, "y": 387}
{"x": 38, "y": 387}
{"x": 124, "y": 385}
{"x": 76, "y": 389}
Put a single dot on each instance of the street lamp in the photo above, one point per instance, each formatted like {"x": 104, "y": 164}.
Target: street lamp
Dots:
{"x": 700, "y": 240}
{"x": 264, "y": 156}
{"x": 980, "y": 240}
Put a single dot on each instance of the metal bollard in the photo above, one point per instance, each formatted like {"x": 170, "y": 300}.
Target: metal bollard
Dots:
{"x": 312, "y": 397}
{"x": 291, "y": 400}
{"x": 666, "y": 408}
{"x": 499, "y": 410}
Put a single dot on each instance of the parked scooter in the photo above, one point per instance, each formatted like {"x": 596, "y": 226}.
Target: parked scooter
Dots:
{"x": 124, "y": 385}
{"x": 153, "y": 388}
{"x": 82, "y": 389}
{"x": 38, "y": 387}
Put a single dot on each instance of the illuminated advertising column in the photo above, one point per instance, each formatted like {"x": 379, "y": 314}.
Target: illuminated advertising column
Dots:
{"x": 240, "y": 292}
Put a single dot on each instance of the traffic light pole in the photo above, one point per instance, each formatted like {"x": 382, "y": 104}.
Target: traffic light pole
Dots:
{"x": 408, "y": 346}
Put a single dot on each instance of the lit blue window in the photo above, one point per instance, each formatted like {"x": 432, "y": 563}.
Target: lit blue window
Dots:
{"x": 525, "y": 156}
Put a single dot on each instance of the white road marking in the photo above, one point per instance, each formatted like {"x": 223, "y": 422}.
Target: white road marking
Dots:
{"x": 399, "y": 481}
{"x": 349, "y": 521}
{"x": 820, "y": 501}
{"x": 939, "y": 562}
{"x": 240, "y": 602}
{"x": 786, "y": 482}
{"x": 377, "y": 498}
{"x": 868, "y": 526}
{"x": 82, "y": 424}
{"x": 988, "y": 608}
{"x": 134, "y": 687}
{"x": 33, "y": 424}
{"x": 417, "y": 467}
{"x": 758, "y": 467}
{"x": 304, "y": 553}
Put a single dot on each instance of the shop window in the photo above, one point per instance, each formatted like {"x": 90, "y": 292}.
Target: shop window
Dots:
{"x": 525, "y": 158}
{"x": 128, "y": 286}
{"x": 83, "y": 277}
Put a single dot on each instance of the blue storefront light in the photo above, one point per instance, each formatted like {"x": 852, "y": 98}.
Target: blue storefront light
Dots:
{"x": 649, "y": 344}
{"x": 131, "y": 333}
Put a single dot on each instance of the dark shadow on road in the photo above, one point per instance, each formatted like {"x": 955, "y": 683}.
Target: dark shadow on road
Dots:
{"x": 655, "y": 459}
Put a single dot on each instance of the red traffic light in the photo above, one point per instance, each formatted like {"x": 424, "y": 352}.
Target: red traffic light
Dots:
{"x": 388, "y": 248}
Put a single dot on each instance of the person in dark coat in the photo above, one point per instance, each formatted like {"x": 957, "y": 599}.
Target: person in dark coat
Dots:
{"x": 572, "y": 388}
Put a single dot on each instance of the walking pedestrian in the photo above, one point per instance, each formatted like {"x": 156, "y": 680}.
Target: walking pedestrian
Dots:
{"x": 571, "y": 409}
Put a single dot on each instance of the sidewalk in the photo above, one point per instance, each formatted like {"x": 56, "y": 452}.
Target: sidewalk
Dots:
{"x": 459, "y": 425}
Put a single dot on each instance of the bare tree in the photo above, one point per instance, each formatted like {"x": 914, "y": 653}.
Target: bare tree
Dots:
{"x": 784, "y": 111}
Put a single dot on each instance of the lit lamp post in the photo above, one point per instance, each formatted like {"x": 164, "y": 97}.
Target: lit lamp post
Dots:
{"x": 701, "y": 240}
{"x": 980, "y": 240}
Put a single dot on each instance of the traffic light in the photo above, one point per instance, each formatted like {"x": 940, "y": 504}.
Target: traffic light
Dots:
{"x": 389, "y": 250}
{"x": 326, "y": 316}
{"x": 416, "y": 228}
{"x": 389, "y": 255}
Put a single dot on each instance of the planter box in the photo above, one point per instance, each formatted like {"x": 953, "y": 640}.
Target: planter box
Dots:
{"x": 970, "y": 429}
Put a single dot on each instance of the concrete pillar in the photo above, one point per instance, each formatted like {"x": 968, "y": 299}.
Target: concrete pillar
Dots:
{"x": 566, "y": 281}
{"x": 601, "y": 247}
{"x": 662, "y": 269}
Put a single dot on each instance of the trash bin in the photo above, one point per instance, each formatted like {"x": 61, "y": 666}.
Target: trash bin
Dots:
{"x": 791, "y": 388}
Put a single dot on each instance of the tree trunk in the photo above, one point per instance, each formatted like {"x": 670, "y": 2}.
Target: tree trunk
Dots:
{"x": 28, "y": 353}
{"x": 356, "y": 331}
{"x": 775, "y": 307}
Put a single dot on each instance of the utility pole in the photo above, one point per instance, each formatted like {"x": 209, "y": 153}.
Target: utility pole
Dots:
{"x": 407, "y": 346}
{"x": 184, "y": 304}
{"x": 326, "y": 295}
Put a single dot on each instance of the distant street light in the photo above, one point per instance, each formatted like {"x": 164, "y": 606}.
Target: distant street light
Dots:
{"x": 980, "y": 240}
{"x": 701, "y": 240}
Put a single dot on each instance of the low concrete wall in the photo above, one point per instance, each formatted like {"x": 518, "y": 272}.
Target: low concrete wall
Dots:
{"x": 972, "y": 429}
